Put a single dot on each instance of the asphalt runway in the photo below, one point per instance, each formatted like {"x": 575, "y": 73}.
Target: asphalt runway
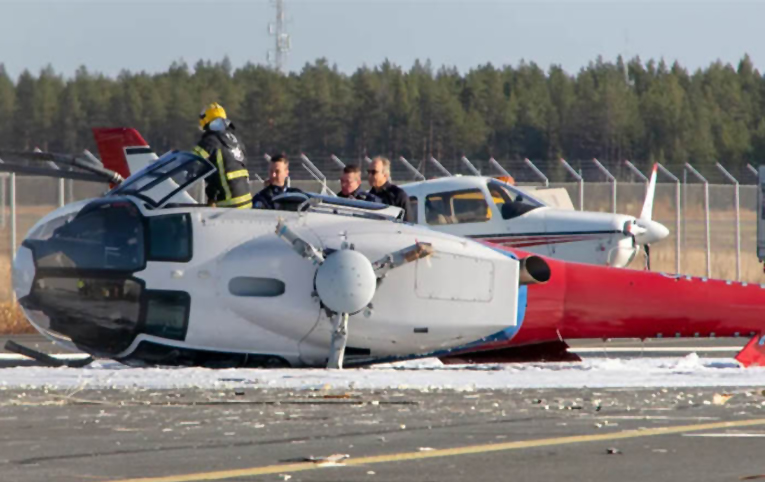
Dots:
{"x": 393, "y": 435}
{"x": 242, "y": 434}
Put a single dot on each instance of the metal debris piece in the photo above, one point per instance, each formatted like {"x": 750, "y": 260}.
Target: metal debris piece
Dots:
{"x": 721, "y": 398}
{"x": 613, "y": 451}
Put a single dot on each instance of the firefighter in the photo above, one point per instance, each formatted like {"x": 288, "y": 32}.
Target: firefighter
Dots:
{"x": 230, "y": 188}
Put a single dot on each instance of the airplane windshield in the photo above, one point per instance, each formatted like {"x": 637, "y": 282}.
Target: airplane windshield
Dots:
{"x": 164, "y": 179}
{"x": 510, "y": 201}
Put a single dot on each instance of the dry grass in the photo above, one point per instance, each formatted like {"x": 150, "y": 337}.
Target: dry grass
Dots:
{"x": 12, "y": 320}
{"x": 693, "y": 262}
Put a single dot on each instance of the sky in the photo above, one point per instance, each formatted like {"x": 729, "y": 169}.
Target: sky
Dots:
{"x": 111, "y": 35}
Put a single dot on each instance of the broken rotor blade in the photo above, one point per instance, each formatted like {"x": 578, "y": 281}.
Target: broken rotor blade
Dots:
{"x": 401, "y": 257}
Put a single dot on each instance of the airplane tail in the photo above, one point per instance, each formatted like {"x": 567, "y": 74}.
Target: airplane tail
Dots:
{"x": 123, "y": 150}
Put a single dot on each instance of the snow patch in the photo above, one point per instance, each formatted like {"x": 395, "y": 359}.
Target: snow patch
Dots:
{"x": 420, "y": 374}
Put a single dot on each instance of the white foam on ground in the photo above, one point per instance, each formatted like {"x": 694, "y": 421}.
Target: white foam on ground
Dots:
{"x": 421, "y": 374}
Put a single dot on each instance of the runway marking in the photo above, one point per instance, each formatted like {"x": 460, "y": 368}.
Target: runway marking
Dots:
{"x": 467, "y": 450}
{"x": 734, "y": 435}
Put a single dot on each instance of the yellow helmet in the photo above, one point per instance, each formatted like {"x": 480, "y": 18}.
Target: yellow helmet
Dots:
{"x": 210, "y": 113}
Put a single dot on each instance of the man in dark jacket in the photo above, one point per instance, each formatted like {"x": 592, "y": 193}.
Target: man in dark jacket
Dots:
{"x": 378, "y": 174}
{"x": 278, "y": 172}
{"x": 350, "y": 185}
{"x": 230, "y": 187}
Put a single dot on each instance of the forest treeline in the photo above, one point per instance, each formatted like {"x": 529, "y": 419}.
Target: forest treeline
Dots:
{"x": 642, "y": 111}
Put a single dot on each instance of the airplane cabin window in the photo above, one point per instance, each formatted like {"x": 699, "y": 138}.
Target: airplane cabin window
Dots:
{"x": 170, "y": 238}
{"x": 457, "y": 207}
{"x": 511, "y": 203}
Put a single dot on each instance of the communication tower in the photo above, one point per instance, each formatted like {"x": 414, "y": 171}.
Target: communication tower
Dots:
{"x": 282, "y": 43}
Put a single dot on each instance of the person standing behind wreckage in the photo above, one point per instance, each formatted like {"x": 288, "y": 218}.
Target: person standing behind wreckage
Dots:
{"x": 278, "y": 172}
{"x": 230, "y": 188}
{"x": 350, "y": 186}
{"x": 378, "y": 174}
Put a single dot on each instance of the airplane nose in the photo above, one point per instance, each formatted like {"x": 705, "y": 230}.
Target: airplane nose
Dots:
{"x": 653, "y": 231}
{"x": 23, "y": 272}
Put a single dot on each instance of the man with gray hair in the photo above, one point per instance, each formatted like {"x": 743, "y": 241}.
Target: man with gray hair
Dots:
{"x": 378, "y": 174}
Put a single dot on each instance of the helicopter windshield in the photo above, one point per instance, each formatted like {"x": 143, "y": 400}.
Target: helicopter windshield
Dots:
{"x": 160, "y": 182}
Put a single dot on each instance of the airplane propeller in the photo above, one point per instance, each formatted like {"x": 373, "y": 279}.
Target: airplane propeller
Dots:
{"x": 346, "y": 281}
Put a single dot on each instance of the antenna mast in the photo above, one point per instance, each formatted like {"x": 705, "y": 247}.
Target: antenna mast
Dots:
{"x": 282, "y": 43}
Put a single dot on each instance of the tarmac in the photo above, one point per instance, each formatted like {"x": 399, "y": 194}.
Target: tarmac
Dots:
{"x": 243, "y": 434}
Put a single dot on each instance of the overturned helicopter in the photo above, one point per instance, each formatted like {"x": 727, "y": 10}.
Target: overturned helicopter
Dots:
{"x": 144, "y": 275}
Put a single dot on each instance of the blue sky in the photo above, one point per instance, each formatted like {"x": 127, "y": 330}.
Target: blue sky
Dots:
{"x": 110, "y": 35}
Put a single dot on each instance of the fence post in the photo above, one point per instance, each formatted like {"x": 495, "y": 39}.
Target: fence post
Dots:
{"x": 611, "y": 178}
{"x": 498, "y": 166}
{"x": 677, "y": 214}
{"x": 440, "y": 167}
{"x": 753, "y": 170}
{"x": 579, "y": 179}
{"x": 706, "y": 214}
{"x": 316, "y": 173}
{"x": 367, "y": 160}
{"x": 417, "y": 174}
{"x": 3, "y": 182}
{"x": 337, "y": 161}
{"x": 738, "y": 219}
{"x": 13, "y": 215}
{"x": 470, "y": 166}
{"x": 537, "y": 172}
{"x": 61, "y": 192}
{"x": 636, "y": 171}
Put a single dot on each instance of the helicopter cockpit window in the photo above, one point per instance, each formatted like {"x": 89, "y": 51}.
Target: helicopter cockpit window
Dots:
{"x": 100, "y": 313}
{"x": 167, "y": 314}
{"x": 170, "y": 238}
{"x": 457, "y": 207}
{"x": 162, "y": 180}
{"x": 510, "y": 201}
{"x": 107, "y": 236}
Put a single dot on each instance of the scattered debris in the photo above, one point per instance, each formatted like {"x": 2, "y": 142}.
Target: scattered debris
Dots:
{"x": 613, "y": 451}
{"x": 426, "y": 449}
{"x": 334, "y": 459}
{"x": 721, "y": 398}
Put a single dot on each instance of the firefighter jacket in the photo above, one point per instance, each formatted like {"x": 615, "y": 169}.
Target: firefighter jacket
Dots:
{"x": 230, "y": 187}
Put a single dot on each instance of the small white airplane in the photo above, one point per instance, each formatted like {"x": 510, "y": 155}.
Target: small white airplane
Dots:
{"x": 491, "y": 210}
{"x": 144, "y": 275}
{"x": 478, "y": 207}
